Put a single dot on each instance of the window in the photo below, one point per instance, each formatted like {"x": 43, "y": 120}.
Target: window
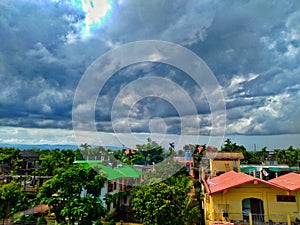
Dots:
{"x": 115, "y": 185}
{"x": 110, "y": 187}
{"x": 286, "y": 198}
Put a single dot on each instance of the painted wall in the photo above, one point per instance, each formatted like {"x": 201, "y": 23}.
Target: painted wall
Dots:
{"x": 224, "y": 166}
{"x": 231, "y": 201}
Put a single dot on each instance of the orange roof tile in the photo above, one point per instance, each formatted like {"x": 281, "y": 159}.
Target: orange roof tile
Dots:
{"x": 291, "y": 181}
{"x": 232, "y": 179}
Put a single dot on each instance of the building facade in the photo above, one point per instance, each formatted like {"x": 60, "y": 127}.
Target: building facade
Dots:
{"x": 238, "y": 198}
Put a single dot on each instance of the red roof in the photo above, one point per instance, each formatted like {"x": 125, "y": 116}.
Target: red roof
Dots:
{"x": 232, "y": 179}
{"x": 291, "y": 181}
{"x": 36, "y": 209}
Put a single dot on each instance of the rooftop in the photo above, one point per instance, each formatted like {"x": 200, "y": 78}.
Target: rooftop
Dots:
{"x": 233, "y": 179}
{"x": 290, "y": 181}
{"x": 29, "y": 154}
{"x": 224, "y": 155}
{"x": 112, "y": 173}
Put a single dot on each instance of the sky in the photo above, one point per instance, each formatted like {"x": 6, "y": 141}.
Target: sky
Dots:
{"x": 116, "y": 72}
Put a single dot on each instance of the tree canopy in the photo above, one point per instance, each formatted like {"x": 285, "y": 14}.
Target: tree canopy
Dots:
{"x": 74, "y": 194}
{"x": 164, "y": 198}
{"x": 12, "y": 199}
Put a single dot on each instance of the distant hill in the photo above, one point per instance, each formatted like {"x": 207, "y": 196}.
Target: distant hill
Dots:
{"x": 48, "y": 146}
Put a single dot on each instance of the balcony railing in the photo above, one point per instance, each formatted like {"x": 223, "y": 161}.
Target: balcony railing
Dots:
{"x": 255, "y": 219}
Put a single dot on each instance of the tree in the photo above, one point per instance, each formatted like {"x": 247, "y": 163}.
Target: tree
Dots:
{"x": 12, "y": 199}
{"x": 74, "y": 194}
{"x": 55, "y": 161}
{"x": 233, "y": 147}
{"x": 198, "y": 154}
{"x": 164, "y": 199}
{"x": 151, "y": 152}
{"x": 164, "y": 170}
{"x": 7, "y": 153}
{"x": 85, "y": 146}
{"x": 171, "y": 149}
{"x": 159, "y": 204}
{"x": 189, "y": 147}
{"x": 145, "y": 154}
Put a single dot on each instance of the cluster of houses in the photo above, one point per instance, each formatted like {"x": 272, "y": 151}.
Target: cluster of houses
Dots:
{"x": 232, "y": 193}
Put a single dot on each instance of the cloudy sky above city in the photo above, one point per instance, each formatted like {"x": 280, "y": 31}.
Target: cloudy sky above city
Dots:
{"x": 250, "y": 51}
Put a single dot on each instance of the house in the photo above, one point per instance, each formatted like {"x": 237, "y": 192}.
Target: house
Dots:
{"x": 28, "y": 162}
{"x": 221, "y": 162}
{"x": 240, "y": 198}
{"x": 267, "y": 171}
{"x": 186, "y": 161}
{"x": 120, "y": 180}
{"x": 5, "y": 168}
{"x": 290, "y": 181}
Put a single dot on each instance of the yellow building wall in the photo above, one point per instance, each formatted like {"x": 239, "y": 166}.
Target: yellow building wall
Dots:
{"x": 224, "y": 166}
{"x": 231, "y": 201}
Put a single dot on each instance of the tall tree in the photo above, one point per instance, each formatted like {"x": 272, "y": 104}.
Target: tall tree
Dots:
{"x": 159, "y": 204}
{"x": 233, "y": 147}
{"x": 12, "y": 199}
{"x": 74, "y": 194}
{"x": 151, "y": 152}
{"x": 166, "y": 202}
{"x": 163, "y": 198}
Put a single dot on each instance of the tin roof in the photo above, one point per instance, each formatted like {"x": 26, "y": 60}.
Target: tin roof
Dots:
{"x": 233, "y": 179}
{"x": 112, "y": 173}
{"x": 29, "y": 154}
{"x": 224, "y": 155}
{"x": 290, "y": 181}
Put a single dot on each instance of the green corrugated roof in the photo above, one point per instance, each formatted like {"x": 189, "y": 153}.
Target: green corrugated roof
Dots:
{"x": 130, "y": 172}
{"x": 248, "y": 169}
{"x": 274, "y": 169}
{"x": 112, "y": 173}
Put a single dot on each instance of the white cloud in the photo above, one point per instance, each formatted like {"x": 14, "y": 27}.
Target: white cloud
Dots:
{"x": 254, "y": 56}
{"x": 41, "y": 53}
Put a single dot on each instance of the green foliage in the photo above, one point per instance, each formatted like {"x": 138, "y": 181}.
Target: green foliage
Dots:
{"x": 151, "y": 152}
{"x": 41, "y": 220}
{"x": 165, "y": 202}
{"x": 29, "y": 219}
{"x": 233, "y": 147}
{"x": 159, "y": 204}
{"x": 64, "y": 193}
{"x": 163, "y": 171}
{"x": 189, "y": 147}
{"x": 7, "y": 153}
{"x": 171, "y": 149}
{"x": 112, "y": 222}
{"x": 98, "y": 222}
{"x": 290, "y": 156}
{"x": 55, "y": 161}
{"x": 12, "y": 199}
{"x": 145, "y": 154}
{"x": 95, "y": 153}
{"x": 198, "y": 154}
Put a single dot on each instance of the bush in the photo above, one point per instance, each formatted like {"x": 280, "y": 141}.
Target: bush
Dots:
{"x": 41, "y": 220}
{"x": 30, "y": 219}
{"x": 112, "y": 222}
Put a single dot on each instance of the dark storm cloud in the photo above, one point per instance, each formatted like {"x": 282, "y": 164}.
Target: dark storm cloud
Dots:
{"x": 252, "y": 47}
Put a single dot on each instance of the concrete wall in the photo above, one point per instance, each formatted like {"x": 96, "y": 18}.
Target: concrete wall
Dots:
{"x": 224, "y": 166}
{"x": 231, "y": 200}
